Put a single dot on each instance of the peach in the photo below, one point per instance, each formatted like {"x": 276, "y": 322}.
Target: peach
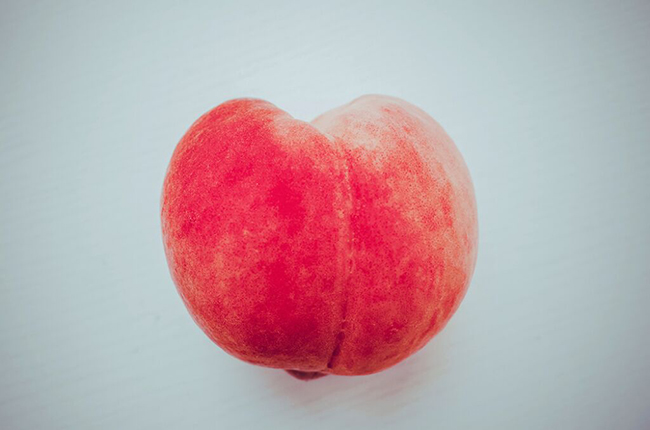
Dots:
{"x": 340, "y": 246}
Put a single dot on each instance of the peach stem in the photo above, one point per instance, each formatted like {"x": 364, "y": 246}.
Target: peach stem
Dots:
{"x": 305, "y": 376}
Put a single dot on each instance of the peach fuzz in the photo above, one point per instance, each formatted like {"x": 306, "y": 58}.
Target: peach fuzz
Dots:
{"x": 340, "y": 246}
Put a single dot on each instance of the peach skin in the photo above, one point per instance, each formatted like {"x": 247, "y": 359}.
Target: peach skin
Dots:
{"x": 340, "y": 246}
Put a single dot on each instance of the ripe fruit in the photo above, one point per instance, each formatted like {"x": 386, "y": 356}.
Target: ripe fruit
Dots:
{"x": 338, "y": 246}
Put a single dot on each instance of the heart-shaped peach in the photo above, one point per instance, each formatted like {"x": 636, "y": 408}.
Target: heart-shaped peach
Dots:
{"x": 339, "y": 246}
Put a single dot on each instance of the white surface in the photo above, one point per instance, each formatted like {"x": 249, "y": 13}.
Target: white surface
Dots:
{"x": 549, "y": 105}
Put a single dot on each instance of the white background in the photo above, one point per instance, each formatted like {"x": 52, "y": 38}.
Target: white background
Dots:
{"x": 550, "y": 105}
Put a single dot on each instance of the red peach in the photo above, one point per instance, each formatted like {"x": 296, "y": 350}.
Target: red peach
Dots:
{"x": 340, "y": 246}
